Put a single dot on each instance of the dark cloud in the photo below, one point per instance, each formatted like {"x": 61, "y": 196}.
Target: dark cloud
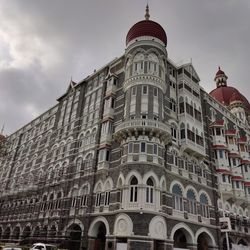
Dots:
{"x": 44, "y": 43}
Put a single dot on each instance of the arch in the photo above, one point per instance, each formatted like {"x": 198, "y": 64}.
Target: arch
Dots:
{"x": 108, "y": 185}
{"x": 227, "y": 207}
{"x": 94, "y": 226}
{"x": 26, "y": 231}
{"x": 242, "y": 242}
{"x": 188, "y": 188}
{"x": 163, "y": 184}
{"x": 120, "y": 181}
{"x": 98, "y": 187}
{"x": 151, "y": 175}
{"x": 53, "y": 229}
{"x": 201, "y": 193}
{"x": 16, "y": 232}
{"x": 123, "y": 225}
{"x": 131, "y": 174}
{"x": 210, "y": 237}
{"x": 158, "y": 228}
{"x": 7, "y": 233}
{"x": 173, "y": 183}
{"x": 36, "y": 231}
{"x": 84, "y": 189}
{"x": 186, "y": 230}
{"x": 74, "y": 234}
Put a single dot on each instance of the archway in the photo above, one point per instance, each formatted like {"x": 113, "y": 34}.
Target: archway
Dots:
{"x": 180, "y": 239}
{"x": 16, "y": 233}
{"x": 26, "y": 232}
{"x": 74, "y": 234}
{"x": 6, "y": 234}
{"x": 52, "y": 232}
{"x": 100, "y": 239}
{"x": 36, "y": 232}
{"x": 202, "y": 242}
{"x": 242, "y": 242}
{"x": 44, "y": 232}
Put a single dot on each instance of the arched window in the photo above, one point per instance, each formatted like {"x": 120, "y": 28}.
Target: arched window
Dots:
{"x": 173, "y": 132}
{"x": 204, "y": 208}
{"x": 183, "y": 132}
{"x": 133, "y": 189}
{"x": 80, "y": 142}
{"x": 84, "y": 198}
{"x": 150, "y": 191}
{"x": 79, "y": 164}
{"x": 178, "y": 198}
{"x": 192, "y": 208}
{"x": 74, "y": 195}
{"x": 58, "y": 200}
{"x": 87, "y": 138}
{"x": 88, "y": 161}
{"x": 172, "y": 104}
{"x": 181, "y": 105}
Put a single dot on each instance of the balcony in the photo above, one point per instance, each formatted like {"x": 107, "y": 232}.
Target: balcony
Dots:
{"x": 192, "y": 148}
{"x": 135, "y": 126}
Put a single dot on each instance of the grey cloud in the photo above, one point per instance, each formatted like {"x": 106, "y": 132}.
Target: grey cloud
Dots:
{"x": 54, "y": 40}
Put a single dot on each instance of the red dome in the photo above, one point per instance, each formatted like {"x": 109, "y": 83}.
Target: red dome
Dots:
{"x": 220, "y": 72}
{"x": 236, "y": 97}
{"x": 224, "y": 94}
{"x": 147, "y": 28}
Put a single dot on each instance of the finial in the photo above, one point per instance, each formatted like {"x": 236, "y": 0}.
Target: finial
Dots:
{"x": 219, "y": 67}
{"x": 147, "y": 16}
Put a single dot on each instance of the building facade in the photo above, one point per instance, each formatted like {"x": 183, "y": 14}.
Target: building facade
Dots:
{"x": 135, "y": 156}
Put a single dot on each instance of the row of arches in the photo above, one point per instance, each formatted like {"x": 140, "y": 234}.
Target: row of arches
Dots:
{"x": 234, "y": 209}
{"x": 181, "y": 234}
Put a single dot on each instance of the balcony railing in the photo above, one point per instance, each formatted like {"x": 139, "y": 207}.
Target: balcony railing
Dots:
{"x": 131, "y": 126}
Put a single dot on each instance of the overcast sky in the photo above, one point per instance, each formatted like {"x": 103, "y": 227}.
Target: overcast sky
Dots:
{"x": 43, "y": 43}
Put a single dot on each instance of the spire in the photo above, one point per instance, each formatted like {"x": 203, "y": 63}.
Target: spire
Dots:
{"x": 147, "y": 16}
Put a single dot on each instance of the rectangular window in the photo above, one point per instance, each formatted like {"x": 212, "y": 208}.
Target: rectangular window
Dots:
{"x": 221, "y": 153}
{"x": 130, "y": 147}
{"x": 218, "y": 131}
{"x": 144, "y": 90}
{"x": 155, "y": 92}
{"x": 143, "y": 147}
{"x": 237, "y": 184}
{"x": 223, "y": 178}
{"x": 155, "y": 149}
{"x": 134, "y": 91}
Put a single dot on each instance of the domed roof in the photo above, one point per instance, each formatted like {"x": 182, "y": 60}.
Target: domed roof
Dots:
{"x": 220, "y": 72}
{"x": 146, "y": 28}
{"x": 236, "y": 97}
{"x": 224, "y": 94}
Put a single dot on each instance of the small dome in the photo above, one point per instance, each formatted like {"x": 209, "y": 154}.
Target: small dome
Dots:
{"x": 146, "y": 28}
{"x": 220, "y": 72}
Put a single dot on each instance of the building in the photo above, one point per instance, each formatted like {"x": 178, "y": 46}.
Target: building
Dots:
{"x": 129, "y": 157}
